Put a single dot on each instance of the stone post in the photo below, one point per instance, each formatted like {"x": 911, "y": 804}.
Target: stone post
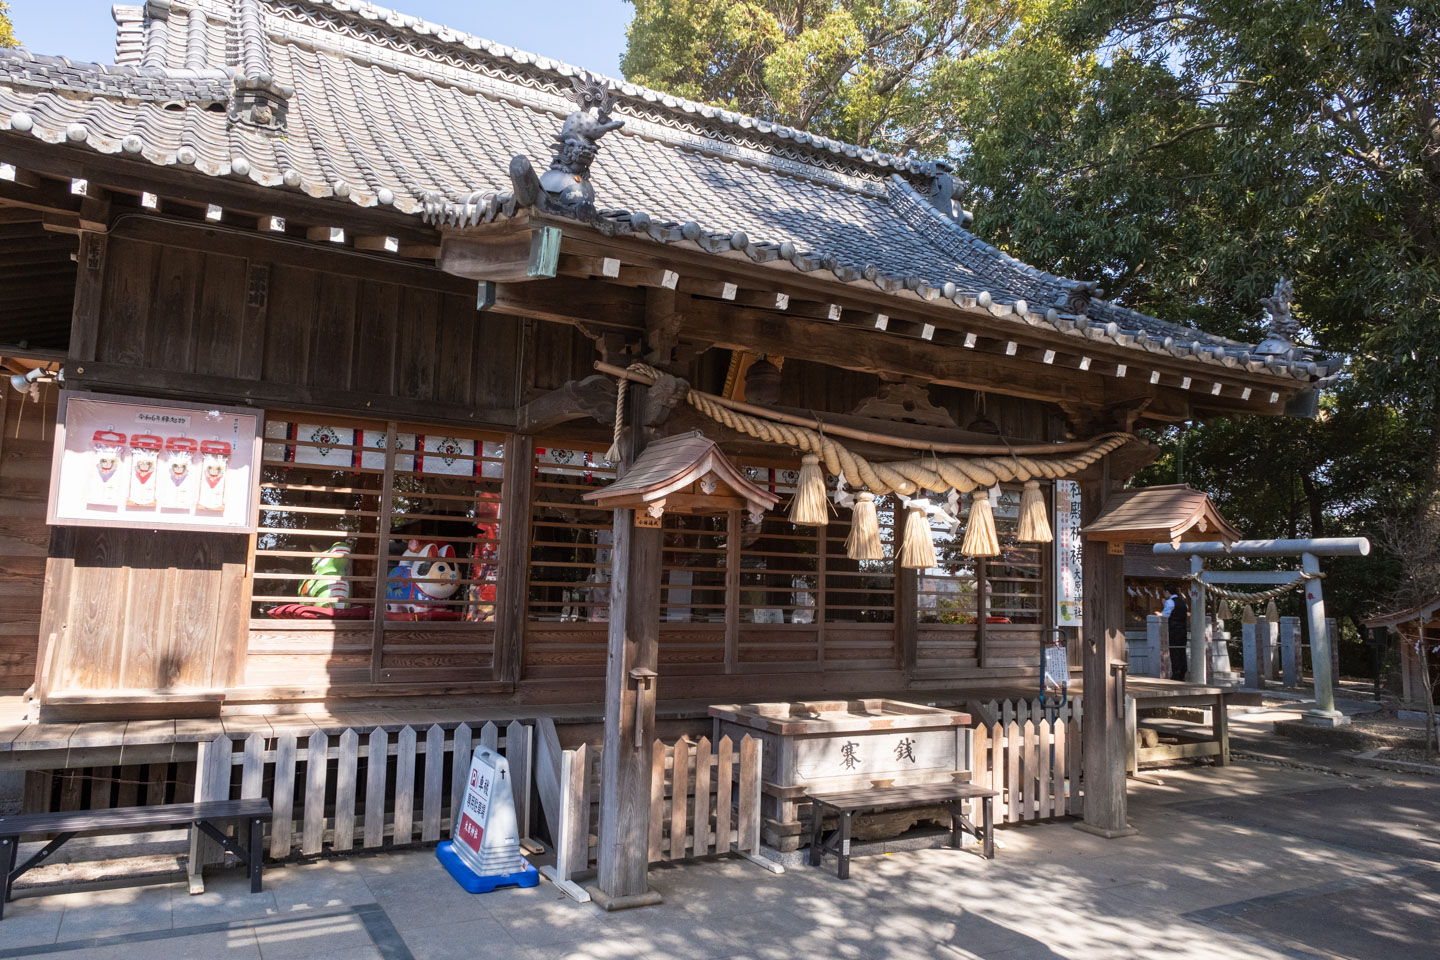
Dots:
{"x": 1155, "y": 643}
{"x": 1320, "y": 647}
{"x": 1250, "y": 641}
{"x": 1290, "y": 651}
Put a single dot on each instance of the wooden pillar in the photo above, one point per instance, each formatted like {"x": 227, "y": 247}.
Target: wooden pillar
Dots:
{"x": 1103, "y": 659}
{"x": 907, "y": 615}
{"x": 512, "y": 596}
{"x": 623, "y": 856}
{"x": 1198, "y": 670}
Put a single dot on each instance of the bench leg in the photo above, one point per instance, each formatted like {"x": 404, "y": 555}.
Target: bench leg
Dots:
{"x": 9, "y": 850}
{"x": 989, "y": 846}
{"x": 817, "y": 814}
{"x": 257, "y": 852}
{"x": 844, "y": 870}
{"x": 957, "y": 826}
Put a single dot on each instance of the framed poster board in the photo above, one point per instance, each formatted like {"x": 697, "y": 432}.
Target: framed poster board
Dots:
{"x": 153, "y": 464}
{"x": 1069, "y": 578}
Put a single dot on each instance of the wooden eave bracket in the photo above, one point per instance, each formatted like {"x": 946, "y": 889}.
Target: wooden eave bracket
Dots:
{"x": 513, "y": 250}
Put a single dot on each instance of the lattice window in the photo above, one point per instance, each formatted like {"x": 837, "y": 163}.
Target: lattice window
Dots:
{"x": 327, "y": 538}
{"x": 317, "y": 541}
{"x": 693, "y": 585}
{"x": 444, "y": 525}
{"x": 945, "y": 593}
{"x": 570, "y": 540}
{"x": 1015, "y": 580}
{"x": 780, "y": 563}
{"x": 859, "y": 591}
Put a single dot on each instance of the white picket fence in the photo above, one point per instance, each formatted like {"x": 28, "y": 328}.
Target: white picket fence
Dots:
{"x": 702, "y": 801}
{"x": 404, "y": 798}
{"x": 1031, "y": 755}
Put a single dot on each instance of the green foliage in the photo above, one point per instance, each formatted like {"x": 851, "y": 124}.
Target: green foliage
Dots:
{"x": 1185, "y": 155}
{"x": 865, "y": 71}
{"x": 7, "y": 32}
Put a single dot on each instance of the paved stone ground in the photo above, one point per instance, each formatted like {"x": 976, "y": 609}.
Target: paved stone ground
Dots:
{"x": 1249, "y": 861}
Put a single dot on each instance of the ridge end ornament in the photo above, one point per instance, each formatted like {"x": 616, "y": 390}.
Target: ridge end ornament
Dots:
{"x": 1283, "y": 327}
{"x": 578, "y": 142}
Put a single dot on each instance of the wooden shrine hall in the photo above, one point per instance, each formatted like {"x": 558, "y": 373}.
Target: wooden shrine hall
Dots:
{"x": 387, "y": 308}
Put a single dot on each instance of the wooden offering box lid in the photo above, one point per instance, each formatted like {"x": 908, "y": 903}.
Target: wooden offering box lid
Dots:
{"x": 837, "y": 716}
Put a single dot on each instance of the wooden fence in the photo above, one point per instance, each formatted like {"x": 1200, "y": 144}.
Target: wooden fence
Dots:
{"x": 348, "y": 800}
{"x": 702, "y": 801}
{"x": 1032, "y": 756}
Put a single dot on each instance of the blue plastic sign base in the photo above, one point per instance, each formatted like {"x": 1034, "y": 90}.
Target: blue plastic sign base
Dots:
{"x": 472, "y": 882}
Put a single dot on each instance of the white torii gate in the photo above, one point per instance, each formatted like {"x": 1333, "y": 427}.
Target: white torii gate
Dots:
{"x": 1309, "y": 552}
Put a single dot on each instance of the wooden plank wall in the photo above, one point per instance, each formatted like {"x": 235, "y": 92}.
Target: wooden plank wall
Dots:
{"x": 140, "y": 609}
{"x": 25, "y": 450}
{"x": 195, "y": 313}
{"x": 241, "y": 317}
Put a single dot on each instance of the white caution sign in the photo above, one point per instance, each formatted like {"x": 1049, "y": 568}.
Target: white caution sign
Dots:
{"x": 486, "y": 838}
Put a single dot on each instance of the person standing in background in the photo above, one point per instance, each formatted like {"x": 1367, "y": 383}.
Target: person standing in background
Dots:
{"x": 1177, "y": 612}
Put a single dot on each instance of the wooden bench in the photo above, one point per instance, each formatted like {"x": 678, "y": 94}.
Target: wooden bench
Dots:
{"x": 875, "y": 799}
{"x": 204, "y": 816}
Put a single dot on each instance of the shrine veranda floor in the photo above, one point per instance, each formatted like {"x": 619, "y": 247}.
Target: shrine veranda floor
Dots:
{"x": 1255, "y": 860}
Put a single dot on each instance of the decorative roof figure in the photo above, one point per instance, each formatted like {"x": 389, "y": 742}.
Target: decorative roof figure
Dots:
{"x": 1284, "y": 328}
{"x": 945, "y": 193}
{"x": 577, "y": 143}
{"x": 1075, "y": 296}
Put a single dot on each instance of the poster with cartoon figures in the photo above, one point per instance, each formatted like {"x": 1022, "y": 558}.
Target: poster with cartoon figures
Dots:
{"x": 132, "y": 462}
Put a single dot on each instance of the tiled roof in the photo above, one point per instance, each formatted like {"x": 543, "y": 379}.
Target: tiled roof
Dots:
{"x": 383, "y": 109}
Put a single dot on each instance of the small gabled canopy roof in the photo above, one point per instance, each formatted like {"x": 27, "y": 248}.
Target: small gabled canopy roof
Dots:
{"x": 686, "y": 474}
{"x": 1424, "y": 613}
{"x": 1167, "y": 514}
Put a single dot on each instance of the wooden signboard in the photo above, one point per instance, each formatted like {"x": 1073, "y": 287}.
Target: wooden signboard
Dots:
{"x": 1069, "y": 578}
{"x": 153, "y": 464}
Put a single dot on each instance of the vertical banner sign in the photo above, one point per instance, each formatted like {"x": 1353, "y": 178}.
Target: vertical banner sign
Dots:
{"x": 1069, "y": 586}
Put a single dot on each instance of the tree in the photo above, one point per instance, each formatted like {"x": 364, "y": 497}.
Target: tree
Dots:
{"x": 864, "y": 71}
{"x": 7, "y": 32}
{"x": 1185, "y": 155}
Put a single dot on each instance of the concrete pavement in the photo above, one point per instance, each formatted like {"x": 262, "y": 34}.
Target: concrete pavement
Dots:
{"x": 1253, "y": 860}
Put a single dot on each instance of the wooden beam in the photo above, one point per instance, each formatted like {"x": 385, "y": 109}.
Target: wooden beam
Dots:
{"x": 260, "y": 246}
{"x": 593, "y": 398}
{"x": 863, "y": 298}
{"x": 874, "y": 351}
{"x": 509, "y": 251}
{"x": 568, "y": 300}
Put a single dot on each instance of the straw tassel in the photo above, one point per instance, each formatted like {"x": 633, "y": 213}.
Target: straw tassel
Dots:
{"x": 809, "y": 507}
{"x": 1222, "y": 609}
{"x": 1034, "y": 521}
{"x": 917, "y": 552}
{"x": 1272, "y": 612}
{"x": 980, "y": 539}
{"x": 864, "y": 540}
{"x": 1248, "y": 615}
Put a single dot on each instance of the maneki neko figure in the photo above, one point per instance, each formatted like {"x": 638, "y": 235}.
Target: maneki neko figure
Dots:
{"x": 177, "y": 490}
{"x": 214, "y": 464}
{"x": 107, "y": 483}
{"x": 144, "y": 456}
{"x": 426, "y": 575}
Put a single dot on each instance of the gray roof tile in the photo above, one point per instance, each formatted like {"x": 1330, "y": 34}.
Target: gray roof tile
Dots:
{"x": 384, "y": 108}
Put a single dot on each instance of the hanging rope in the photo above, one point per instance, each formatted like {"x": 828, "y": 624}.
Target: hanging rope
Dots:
{"x": 905, "y": 477}
{"x": 1236, "y": 596}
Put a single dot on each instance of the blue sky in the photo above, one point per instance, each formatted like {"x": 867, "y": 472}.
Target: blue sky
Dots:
{"x": 587, "y": 33}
